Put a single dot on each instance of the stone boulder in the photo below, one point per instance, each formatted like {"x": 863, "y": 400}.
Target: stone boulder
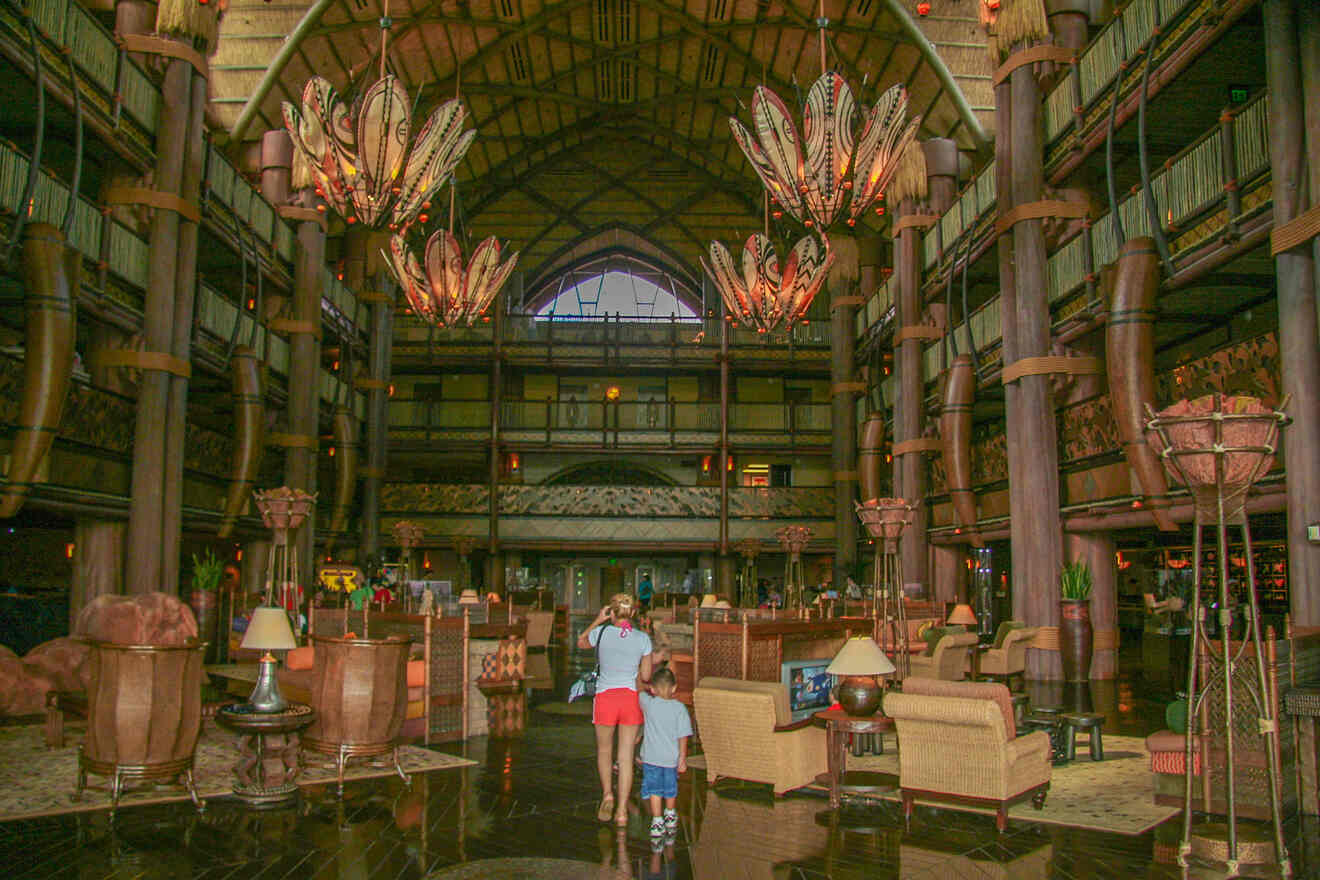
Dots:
{"x": 146, "y": 619}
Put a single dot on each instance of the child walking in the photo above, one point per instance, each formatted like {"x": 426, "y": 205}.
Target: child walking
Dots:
{"x": 664, "y": 750}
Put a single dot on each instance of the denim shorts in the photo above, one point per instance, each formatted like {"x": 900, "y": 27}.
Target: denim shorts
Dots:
{"x": 659, "y": 781}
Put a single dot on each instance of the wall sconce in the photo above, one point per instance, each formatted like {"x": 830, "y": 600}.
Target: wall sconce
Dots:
{"x": 612, "y": 393}
{"x": 514, "y": 462}
{"x": 705, "y": 464}
{"x": 68, "y": 550}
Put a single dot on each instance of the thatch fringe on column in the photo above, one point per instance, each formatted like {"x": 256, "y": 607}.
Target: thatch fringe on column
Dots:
{"x": 191, "y": 20}
{"x": 301, "y": 177}
{"x": 909, "y": 180}
{"x": 1019, "y": 21}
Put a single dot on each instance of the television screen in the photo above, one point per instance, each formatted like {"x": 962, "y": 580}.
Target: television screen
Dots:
{"x": 808, "y": 687}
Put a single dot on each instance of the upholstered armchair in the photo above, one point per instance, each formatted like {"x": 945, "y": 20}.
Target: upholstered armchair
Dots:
{"x": 950, "y": 659}
{"x": 1011, "y": 657}
{"x": 961, "y": 748}
{"x": 747, "y": 733}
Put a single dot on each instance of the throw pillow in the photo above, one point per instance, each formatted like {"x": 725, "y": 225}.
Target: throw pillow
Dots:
{"x": 1175, "y": 715}
{"x": 489, "y": 664}
{"x": 935, "y": 633}
{"x": 1004, "y": 629}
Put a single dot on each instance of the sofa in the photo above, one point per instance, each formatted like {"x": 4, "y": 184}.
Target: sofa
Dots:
{"x": 950, "y": 660}
{"x": 958, "y": 745}
{"x": 747, "y": 732}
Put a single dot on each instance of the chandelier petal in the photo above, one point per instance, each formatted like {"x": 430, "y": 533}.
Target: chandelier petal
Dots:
{"x": 403, "y": 265}
{"x": 761, "y": 272}
{"x": 382, "y": 139}
{"x": 437, "y": 150}
{"x": 315, "y": 129}
{"x": 485, "y": 276}
{"x": 804, "y": 273}
{"x": 722, "y": 271}
{"x": 827, "y": 124}
{"x": 779, "y": 141}
{"x": 444, "y": 272}
{"x": 784, "y": 192}
{"x": 881, "y": 144}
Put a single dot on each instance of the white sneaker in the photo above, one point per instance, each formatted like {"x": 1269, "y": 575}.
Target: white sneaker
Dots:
{"x": 671, "y": 820}
{"x": 657, "y": 827}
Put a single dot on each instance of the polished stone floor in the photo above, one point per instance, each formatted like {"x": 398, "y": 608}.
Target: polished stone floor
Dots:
{"x": 527, "y": 810}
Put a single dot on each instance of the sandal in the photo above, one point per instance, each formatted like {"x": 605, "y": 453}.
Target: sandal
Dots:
{"x": 606, "y": 808}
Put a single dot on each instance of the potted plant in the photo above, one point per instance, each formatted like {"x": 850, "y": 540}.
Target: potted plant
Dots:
{"x": 1075, "y": 634}
{"x": 207, "y": 570}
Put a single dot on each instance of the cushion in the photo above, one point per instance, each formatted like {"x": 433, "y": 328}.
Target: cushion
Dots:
{"x": 300, "y": 658}
{"x": 488, "y": 667}
{"x": 935, "y": 633}
{"x": 416, "y": 673}
{"x": 1175, "y": 715}
{"x": 22, "y": 688}
{"x": 1165, "y": 741}
{"x": 145, "y": 619}
{"x": 511, "y": 659}
{"x": 63, "y": 661}
{"x": 973, "y": 690}
{"x": 1004, "y": 629}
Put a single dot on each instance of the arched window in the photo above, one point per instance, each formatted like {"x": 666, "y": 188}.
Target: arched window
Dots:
{"x": 617, "y": 285}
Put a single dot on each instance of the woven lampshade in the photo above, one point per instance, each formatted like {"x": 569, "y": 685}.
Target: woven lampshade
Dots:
{"x": 269, "y": 630}
{"x": 962, "y": 614}
{"x": 469, "y": 597}
{"x": 860, "y": 656}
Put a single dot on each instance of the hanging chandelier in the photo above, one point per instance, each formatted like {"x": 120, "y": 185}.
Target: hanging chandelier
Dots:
{"x": 815, "y": 188}
{"x": 762, "y": 294}
{"x": 441, "y": 290}
{"x": 360, "y": 159}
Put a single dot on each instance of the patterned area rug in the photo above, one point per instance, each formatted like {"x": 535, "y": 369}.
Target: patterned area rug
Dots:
{"x": 36, "y": 781}
{"x": 1116, "y": 794}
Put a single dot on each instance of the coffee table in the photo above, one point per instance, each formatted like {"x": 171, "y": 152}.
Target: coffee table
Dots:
{"x": 267, "y": 743}
{"x": 838, "y": 724}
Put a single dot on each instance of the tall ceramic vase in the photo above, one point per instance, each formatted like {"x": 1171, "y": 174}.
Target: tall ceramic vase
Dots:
{"x": 1075, "y": 638}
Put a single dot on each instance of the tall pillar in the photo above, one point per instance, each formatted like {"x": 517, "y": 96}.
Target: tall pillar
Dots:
{"x": 496, "y": 580}
{"x": 304, "y": 331}
{"x": 364, "y": 273}
{"x": 1097, "y": 550}
{"x": 98, "y": 562}
{"x": 949, "y": 577}
{"x": 252, "y": 568}
{"x": 844, "y": 391}
{"x": 157, "y": 436}
{"x": 723, "y": 550}
{"x": 1036, "y": 534}
{"x": 1291, "y": 86}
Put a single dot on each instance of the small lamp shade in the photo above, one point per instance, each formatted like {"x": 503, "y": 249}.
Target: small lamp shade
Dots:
{"x": 269, "y": 630}
{"x": 860, "y": 656}
{"x": 857, "y": 665}
{"x": 708, "y": 600}
{"x": 962, "y": 615}
{"x": 469, "y": 597}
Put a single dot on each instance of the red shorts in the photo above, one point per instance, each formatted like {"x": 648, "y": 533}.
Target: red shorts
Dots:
{"x": 616, "y": 706}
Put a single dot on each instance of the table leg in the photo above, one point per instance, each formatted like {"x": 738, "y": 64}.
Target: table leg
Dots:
{"x": 1097, "y": 745}
{"x": 1069, "y": 742}
{"x": 837, "y": 759}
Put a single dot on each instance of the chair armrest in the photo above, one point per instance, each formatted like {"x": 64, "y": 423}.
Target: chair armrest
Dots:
{"x": 1028, "y": 744}
{"x": 796, "y": 725}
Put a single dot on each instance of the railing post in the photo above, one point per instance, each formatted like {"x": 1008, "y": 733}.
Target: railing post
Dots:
{"x": 1229, "y": 172}
{"x": 549, "y": 418}
{"x": 672, "y": 413}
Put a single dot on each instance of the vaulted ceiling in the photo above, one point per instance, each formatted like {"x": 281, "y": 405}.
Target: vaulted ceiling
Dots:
{"x": 604, "y": 123}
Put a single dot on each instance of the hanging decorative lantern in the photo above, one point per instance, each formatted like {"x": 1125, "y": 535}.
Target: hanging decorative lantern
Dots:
{"x": 442, "y": 291}
{"x": 362, "y": 164}
{"x": 763, "y": 295}
{"x": 839, "y": 173}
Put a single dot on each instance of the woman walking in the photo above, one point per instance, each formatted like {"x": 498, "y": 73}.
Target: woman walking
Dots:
{"x": 625, "y": 655}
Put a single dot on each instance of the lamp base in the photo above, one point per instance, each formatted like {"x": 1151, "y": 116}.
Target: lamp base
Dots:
{"x": 266, "y": 695}
{"x": 859, "y": 695}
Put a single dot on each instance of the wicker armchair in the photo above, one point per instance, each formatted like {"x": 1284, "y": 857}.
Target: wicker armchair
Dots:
{"x": 959, "y": 749}
{"x": 1010, "y": 659}
{"x": 949, "y": 662}
{"x": 746, "y": 733}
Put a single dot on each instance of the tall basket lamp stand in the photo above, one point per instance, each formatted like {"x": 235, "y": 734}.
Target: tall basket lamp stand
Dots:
{"x": 885, "y": 519}
{"x": 1219, "y": 447}
{"x": 794, "y": 540}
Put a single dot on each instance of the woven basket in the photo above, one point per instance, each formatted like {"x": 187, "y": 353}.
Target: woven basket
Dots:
{"x": 794, "y": 539}
{"x": 283, "y": 508}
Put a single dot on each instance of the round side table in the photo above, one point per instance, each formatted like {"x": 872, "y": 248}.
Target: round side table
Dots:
{"x": 838, "y": 725}
{"x": 267, "y": 744}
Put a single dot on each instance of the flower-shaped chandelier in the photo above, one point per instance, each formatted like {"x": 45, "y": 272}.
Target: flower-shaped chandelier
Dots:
{"x": 361, "y": 161}
{"x": 761, "y": 293}
{"x": 442, "y": 291}
{"x": 814, "y": 187}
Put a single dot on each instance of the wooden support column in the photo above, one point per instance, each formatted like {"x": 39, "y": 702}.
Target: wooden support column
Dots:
{"x": 949, "y": 573}
{"x": 1295, "y": 272}
{"x": 98, "y": 562}
{"x": 723, "y": 457}
{"x": 145, "y": 570}
{"x": 1097, "y": 550}
{"x": 844, "y": 391}
{"x": 495, "y": 582}
{"x": 364, "y": 273}
{"x": 1037, "y": 540}
{"x": 252, "y": 569}
{"x": 304, "y": 336}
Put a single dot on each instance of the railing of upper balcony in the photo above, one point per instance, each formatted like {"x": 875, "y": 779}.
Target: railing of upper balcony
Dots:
{"x": 617, "y": 330}
{"x": 1193, "y": 192}
{"x": 798, "y": 420}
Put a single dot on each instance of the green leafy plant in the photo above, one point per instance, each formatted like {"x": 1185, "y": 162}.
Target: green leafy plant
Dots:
{"x": 1075, "y": 580}
{"x": 207, "y": 570}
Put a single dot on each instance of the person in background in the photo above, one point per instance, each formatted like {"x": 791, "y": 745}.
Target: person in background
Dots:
{"x": 645, "y": 591}
{"x": 664, "y": 750}
{"x": 625, "y": 656}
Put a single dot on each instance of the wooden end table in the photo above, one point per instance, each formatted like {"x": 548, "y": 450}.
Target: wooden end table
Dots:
{"x": 838, "y": 724}
{"x": 267, "y": 744}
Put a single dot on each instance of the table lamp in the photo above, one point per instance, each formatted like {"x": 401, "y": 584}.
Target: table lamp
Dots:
{"x": 268, "y": 630}
{"x": 860, "y": 661}
{"x": 962, "y": 615}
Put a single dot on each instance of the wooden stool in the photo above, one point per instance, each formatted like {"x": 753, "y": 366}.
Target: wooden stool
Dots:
{"x": 1021, "y": 706}
{"x": 1088, "y": 721}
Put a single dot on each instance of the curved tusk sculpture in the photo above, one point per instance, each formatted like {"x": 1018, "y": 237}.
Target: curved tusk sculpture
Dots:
{"x": 871, "y": 456}
{"x": 956, "y": 434}
{"x": 1130, "y": 361}
{"x": 50, "y": 331}
{"x": 249, "y": 435}
{"x": 346, "y": 470}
